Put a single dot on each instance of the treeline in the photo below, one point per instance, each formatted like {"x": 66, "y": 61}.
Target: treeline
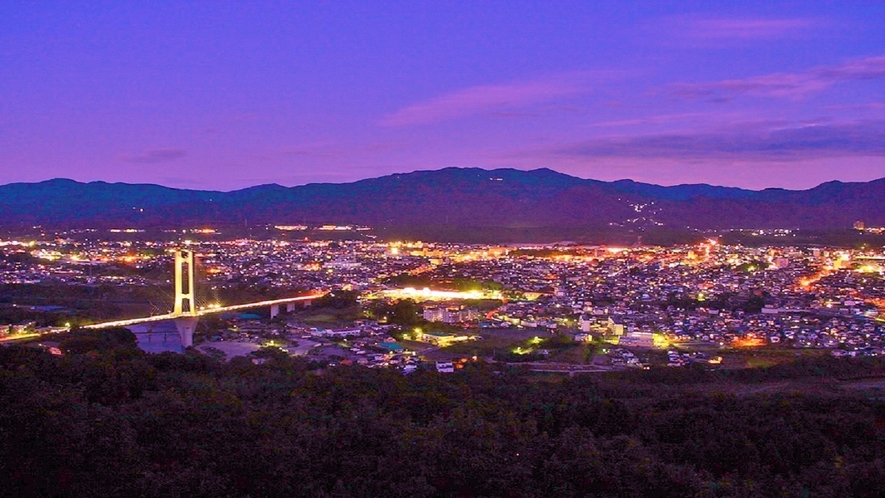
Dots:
{"x": 85, "y": 302}
{"x": 112, "y": 421}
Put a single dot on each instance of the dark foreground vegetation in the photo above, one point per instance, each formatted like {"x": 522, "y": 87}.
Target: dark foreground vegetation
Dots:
{"x": 108, "y": 420}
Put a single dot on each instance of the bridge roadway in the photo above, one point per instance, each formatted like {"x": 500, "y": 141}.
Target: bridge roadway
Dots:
{"x": 202, "y": 312}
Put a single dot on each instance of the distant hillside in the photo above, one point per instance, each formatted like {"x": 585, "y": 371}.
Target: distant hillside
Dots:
{"x": 449, "y": 199}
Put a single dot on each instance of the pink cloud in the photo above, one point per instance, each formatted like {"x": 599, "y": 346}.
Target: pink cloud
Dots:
{"x": 508, "y": 100}
{"x": 751, "y": 141}
{"x": 656, "y": 119}
{"x": 858, "y": 69}
{"x": 786, "y": 85}
{"x": 739, "y": 29}
{"x": 869, "y": 106}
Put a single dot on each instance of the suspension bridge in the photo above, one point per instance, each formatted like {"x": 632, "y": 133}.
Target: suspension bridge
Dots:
{"x": 186, "y": 315}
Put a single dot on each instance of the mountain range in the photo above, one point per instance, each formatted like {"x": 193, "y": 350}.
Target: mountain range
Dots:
{"x": 447, "y": 199}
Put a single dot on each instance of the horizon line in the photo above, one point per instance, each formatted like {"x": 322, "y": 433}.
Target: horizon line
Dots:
{"x": 460, "y": 168}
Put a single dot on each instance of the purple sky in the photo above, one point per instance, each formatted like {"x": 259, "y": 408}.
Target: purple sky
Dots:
{"x": 225, "y": 95}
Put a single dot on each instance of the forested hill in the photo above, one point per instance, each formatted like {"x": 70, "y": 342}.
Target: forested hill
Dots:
{"x": 108, "y": 420}
{"x": 452, "y": 197}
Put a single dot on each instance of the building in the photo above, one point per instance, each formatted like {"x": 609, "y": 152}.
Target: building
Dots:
{"x": 615, "y": 325}
{"x": 443, "y": 339}
{"x": 450, "y": 315}
{"x": 585, "y": 323}
{"x": 583, "y": 337}
{"x": 638, "y": 339}
{"x": 393, "y": 347}
{"x": 337, "y": 332}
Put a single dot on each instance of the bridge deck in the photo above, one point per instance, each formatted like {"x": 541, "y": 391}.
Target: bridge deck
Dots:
{"x": 203, "y": 312}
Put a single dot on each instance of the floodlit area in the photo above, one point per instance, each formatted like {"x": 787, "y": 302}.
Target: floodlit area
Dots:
{"x": 427, "y": 294}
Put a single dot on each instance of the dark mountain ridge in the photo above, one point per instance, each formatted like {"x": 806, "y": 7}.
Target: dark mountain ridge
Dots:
{"x": 451, "y": 197}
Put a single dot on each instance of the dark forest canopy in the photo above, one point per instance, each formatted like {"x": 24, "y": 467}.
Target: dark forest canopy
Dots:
{"x": 114, "y": 421}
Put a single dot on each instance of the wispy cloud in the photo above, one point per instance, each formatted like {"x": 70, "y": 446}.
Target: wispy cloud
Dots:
{"x": 788, "y": 85}
{"x": 502, "y": 101}
{"x": 868, "y": 106}
{"x": 654, "y": 119}
{"x": 744, "y": 143}
{"x": 154, "y": 156}
{"x": 705, "y": 29}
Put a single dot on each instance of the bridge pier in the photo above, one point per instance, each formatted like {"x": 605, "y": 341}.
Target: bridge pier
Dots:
{"x": 274, "y": 311}
{"x": 186, "y": 326}
{"x": 290, "y": 307}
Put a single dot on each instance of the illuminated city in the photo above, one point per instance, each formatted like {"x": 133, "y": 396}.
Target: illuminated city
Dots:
{"x": 436, "y": 249}
{"x": 699, "y": 302}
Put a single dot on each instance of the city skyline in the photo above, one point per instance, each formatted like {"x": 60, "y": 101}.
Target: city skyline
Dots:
{"x": 223, "y": 97}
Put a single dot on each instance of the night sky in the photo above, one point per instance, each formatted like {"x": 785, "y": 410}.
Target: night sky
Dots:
{"x": 225, "y": 95}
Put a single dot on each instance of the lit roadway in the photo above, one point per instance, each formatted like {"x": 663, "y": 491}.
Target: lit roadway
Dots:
{"x": 19, "y": 337}
{"x": 201, "y": 312}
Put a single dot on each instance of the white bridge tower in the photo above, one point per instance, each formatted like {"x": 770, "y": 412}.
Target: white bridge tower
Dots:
{"x": 185, "y": 309}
